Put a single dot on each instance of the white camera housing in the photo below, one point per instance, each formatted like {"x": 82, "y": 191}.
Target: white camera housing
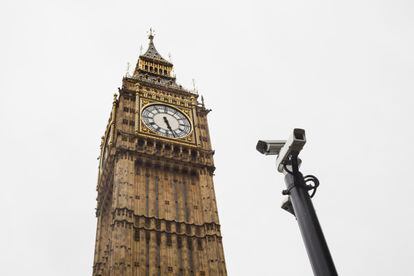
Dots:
{"x": 283, "y": 148}
{"x": 270, "y": 147}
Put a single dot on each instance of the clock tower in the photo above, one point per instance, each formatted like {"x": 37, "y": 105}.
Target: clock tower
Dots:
{"x": 156, "y": 205}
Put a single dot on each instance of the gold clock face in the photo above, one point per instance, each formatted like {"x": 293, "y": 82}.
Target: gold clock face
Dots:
{"x": 166, "y": 121}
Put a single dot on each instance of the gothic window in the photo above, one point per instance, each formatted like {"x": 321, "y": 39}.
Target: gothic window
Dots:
{"x": 168, "y": 226}
{"x": 193, "y": 154}
{"x": 158, "y": 239}
{"x": 146, "y": 67}
{"x": 179, "y": 242}
{"x": 125, "y": 121}
{"x": 165, "y": 72}
{"x": 169, "y": 241}
{"x": 141, "y": 142}
{"x": 158, "y": 224}
{"x": 136, "y": 234}
{"x": 158, "y": 146}
{"x": 147, "y": 236}
{"x": 189, "y": 244}
{"x": 199, "y": 244}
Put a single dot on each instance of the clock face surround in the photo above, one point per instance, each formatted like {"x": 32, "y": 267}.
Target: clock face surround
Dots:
{"x": 166, "y": 121}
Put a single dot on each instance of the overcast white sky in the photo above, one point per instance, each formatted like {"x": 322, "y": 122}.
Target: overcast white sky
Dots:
{"x": 342, "y": 70}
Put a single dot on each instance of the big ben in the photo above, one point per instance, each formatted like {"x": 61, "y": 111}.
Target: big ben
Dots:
{"x": 156, "y": 206}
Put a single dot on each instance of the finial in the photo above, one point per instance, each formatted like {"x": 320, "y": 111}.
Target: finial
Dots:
{"x": 151, "y": 34}
{"x": 195, "y": 91}
{"x": 194, "y": 85}
{"x": 127, "y": 70}
{"x": 140, "y": 50}
{"x": 115, "y": 97}
{"x": 202, "y": 100}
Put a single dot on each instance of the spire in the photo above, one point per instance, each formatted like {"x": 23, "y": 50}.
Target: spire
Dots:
{"x": 152, "y": 54}
{"x": 153, "y": 67}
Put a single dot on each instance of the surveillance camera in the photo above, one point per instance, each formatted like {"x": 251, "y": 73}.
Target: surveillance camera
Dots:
{"x": 270, "y": 147}
{"x": 282, "y": 148}
{"x": 295, "y": 144}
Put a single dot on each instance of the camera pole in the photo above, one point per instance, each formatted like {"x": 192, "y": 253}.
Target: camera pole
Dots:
{"x": 299, "y": 201}
{"x": 315, "y": 243}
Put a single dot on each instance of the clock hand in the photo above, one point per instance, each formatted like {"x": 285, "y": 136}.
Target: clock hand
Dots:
{"x": 168, "y": 126}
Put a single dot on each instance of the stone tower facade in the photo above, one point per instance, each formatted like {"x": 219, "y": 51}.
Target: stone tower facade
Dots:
{"x": 156, "y": 206}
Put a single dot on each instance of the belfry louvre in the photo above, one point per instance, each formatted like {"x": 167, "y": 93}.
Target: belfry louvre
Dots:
{"x": 156, "y": 207}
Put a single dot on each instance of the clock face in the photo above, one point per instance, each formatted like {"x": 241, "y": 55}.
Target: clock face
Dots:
{"x": 166, "y": 121}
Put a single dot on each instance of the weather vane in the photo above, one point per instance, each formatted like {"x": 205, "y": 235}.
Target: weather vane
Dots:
{"x": 151, "y": 33}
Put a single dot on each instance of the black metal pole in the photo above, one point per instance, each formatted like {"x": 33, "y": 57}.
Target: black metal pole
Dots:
{"x": 315, "y": 243}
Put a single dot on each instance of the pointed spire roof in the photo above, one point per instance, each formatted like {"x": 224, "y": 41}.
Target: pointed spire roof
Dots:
{"x": 152, "y": 54}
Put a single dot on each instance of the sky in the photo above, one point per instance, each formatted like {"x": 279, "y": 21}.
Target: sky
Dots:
{"x": 342, "y": 70}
